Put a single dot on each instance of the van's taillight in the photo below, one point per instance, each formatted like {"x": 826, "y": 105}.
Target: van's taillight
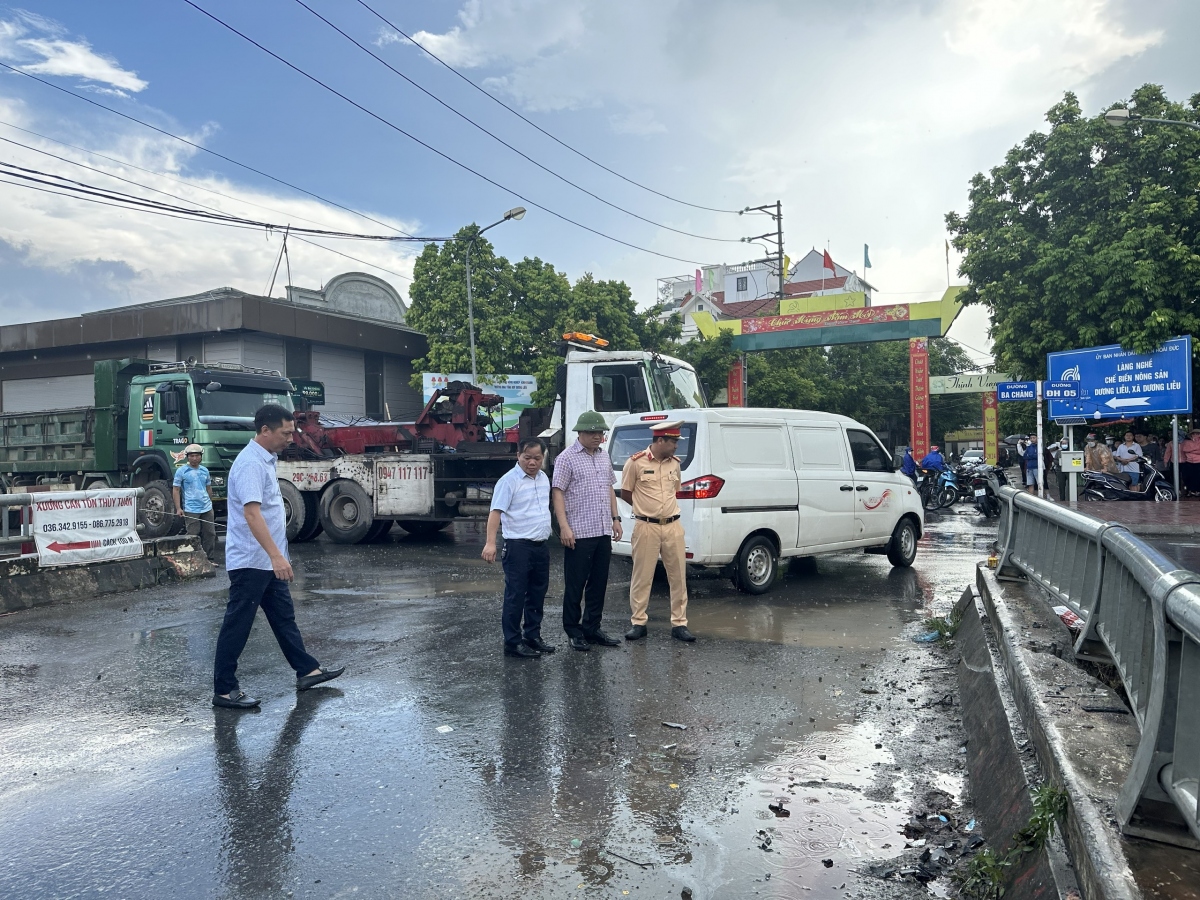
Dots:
{"x": 653, "y": 418}
{"x": 706, "y": 487}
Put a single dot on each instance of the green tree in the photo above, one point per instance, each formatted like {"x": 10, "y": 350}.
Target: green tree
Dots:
{"x": 1087, "y": 235}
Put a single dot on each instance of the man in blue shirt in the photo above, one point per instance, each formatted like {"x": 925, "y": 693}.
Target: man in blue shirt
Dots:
{"x": 257, "y": 560}
{"x": 933, "y": 460}
{"x": 521, "y": 503}
{"x": 196, "y": 504}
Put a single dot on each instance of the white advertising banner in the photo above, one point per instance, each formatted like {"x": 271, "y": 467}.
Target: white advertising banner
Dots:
{"x": 966, "y": 384}
{"x": 516, "y": 390}
{"x": 77, "y": 527}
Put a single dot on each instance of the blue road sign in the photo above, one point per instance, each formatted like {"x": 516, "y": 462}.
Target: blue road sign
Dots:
{"x": 1114, "y": 383}
{"x": 1007, "y": 391}
{"x": 1060, "y": 390}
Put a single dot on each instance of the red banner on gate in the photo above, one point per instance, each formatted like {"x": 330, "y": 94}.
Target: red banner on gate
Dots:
{"x": 918, "y": 379}
{"x": 991, "y": 429}
{"x": 870, "y": 315}
{"x": 734, "y": 393}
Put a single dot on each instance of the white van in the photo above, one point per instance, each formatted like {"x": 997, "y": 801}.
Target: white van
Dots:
{"x": 761, "y": 484}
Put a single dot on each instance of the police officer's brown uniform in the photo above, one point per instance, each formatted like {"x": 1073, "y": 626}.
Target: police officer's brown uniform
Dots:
{"x": 649, "y": 484}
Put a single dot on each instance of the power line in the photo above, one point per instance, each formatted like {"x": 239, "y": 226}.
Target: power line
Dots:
{"x": 505, "y": 143}
{"x": 432, "y": 149}
{"x": 130, "y": 201}
{"x": 539, "y": 128}
{"x": 174, "y": 196}
{"x": 184, "y": 140}
{"x": 126, "y": 163}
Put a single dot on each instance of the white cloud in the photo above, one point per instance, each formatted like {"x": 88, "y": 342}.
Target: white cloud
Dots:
{"x": 134, "y": 257}
{"x": 38, "y": 45}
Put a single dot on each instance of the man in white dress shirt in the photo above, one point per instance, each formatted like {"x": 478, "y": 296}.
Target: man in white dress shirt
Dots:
{"x": 256, "y": 558}
{"x": 521, "y": 503}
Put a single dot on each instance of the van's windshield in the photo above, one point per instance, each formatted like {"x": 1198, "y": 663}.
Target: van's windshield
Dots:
{"x": 630, "y": 439}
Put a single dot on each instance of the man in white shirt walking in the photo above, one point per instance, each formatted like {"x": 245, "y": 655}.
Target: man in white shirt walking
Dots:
{"x": 256, "y": 558}
{"x": 521, "y": 502}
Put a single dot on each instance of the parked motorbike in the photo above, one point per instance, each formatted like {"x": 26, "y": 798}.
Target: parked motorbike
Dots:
{"x": 1151, "y": 486}
{"x": 984, "y": 484}
{"x": 927, "y": 487}
{"x": 948, "y": 491}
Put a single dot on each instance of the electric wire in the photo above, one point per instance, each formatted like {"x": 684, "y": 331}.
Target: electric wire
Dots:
{"x": 128, "y": 164}
{"x": 184, "y": 140}
{"x": 539, "y": 128}
{"x": 175, "y": 196}
{"x": 505, "y": 143}
{"x": 431, "y": 148}
{"x": 129, "y": 201}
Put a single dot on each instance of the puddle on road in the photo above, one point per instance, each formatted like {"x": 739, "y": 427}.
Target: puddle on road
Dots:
{"x": 823, "y": 780}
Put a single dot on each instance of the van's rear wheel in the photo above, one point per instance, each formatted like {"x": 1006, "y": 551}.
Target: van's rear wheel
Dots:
{"x": 902, "y": 548}
{"x": 346, "y": 513}
{"x": 757, "y": 565}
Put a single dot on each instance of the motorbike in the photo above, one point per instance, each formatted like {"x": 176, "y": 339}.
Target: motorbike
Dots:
{"x": 948, "y": 489}
{"x": 1152, "y": 485}
{"x": 927, "y": 487}
{"x": 984, "y": 484}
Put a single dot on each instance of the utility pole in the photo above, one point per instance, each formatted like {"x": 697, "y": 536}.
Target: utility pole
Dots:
{"x": 775, "y": 211}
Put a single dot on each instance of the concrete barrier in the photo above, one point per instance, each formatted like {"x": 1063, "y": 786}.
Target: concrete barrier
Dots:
{"x": 1081, "y": 746}
{"x": 23, "y": 585}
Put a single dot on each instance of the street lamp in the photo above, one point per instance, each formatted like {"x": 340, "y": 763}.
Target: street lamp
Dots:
{"x": 517, "y": 213}
{"x": 1119, "y": 117}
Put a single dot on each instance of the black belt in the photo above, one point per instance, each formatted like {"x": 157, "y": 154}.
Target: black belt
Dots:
{"x": 657, "y": 521}
{"x": 523, "y": 541}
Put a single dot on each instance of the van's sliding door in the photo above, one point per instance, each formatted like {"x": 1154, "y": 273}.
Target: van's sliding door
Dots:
{"x": 826, "y": 485}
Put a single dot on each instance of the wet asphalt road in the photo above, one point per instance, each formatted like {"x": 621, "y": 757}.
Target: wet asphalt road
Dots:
{"x": 558, "y": 777}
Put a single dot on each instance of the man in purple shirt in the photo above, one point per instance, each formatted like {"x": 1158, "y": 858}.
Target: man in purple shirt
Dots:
{"x": 586, "y": 509}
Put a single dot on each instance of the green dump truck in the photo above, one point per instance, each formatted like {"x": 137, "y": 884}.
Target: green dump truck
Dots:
{"x": 144, "y": 415}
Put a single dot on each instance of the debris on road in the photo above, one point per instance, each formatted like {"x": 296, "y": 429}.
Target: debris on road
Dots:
{"x": 675, "y": 725}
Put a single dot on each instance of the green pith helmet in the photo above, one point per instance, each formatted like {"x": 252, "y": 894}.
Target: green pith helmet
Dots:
{"x": 591, "y": 421}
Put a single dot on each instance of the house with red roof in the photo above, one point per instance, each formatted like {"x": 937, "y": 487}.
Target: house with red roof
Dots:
{"x": 749, "y": 289}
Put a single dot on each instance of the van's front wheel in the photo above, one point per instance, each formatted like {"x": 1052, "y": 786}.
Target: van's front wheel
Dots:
{"x": 757, "y": 565}
{"x": 902, "y": 548}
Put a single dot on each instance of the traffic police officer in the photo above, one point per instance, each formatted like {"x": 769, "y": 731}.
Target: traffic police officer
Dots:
{"x": 649, "y": 482}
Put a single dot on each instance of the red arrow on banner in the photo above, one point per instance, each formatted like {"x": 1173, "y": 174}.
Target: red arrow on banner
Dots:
{"x": 78, "y": 545}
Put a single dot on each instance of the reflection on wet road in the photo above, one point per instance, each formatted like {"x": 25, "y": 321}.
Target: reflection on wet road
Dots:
{"x": 438, "y": 768}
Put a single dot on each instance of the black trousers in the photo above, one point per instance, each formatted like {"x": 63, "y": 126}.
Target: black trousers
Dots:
{"x": 526, "y": 578}
{"x": 585, "y": 577}
{"x": 250, "y": 589}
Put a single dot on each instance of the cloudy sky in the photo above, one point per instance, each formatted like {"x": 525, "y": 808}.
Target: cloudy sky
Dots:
{"x": 866, "y": 118}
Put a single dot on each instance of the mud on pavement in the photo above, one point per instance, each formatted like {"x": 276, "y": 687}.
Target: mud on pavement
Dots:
{"x": 820, "y": 753}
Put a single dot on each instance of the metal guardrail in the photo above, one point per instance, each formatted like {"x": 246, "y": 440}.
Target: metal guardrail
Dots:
{"x": 1142, "y": 615}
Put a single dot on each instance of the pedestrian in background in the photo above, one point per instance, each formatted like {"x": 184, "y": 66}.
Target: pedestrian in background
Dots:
{"x": 649, "y": 483}
{"x": 521, "y": 504}
{"x": 1097, "y": 457}
{"x": 586, "y": 508}
{"x": 1127, "y": 455}
{"x": 1153, "y": 450}
{"x": 1031, "y": 465}
{"x": 1189, "y": 462}
{"x": 256, "y": 557}
{"x": 195, "y": 484}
